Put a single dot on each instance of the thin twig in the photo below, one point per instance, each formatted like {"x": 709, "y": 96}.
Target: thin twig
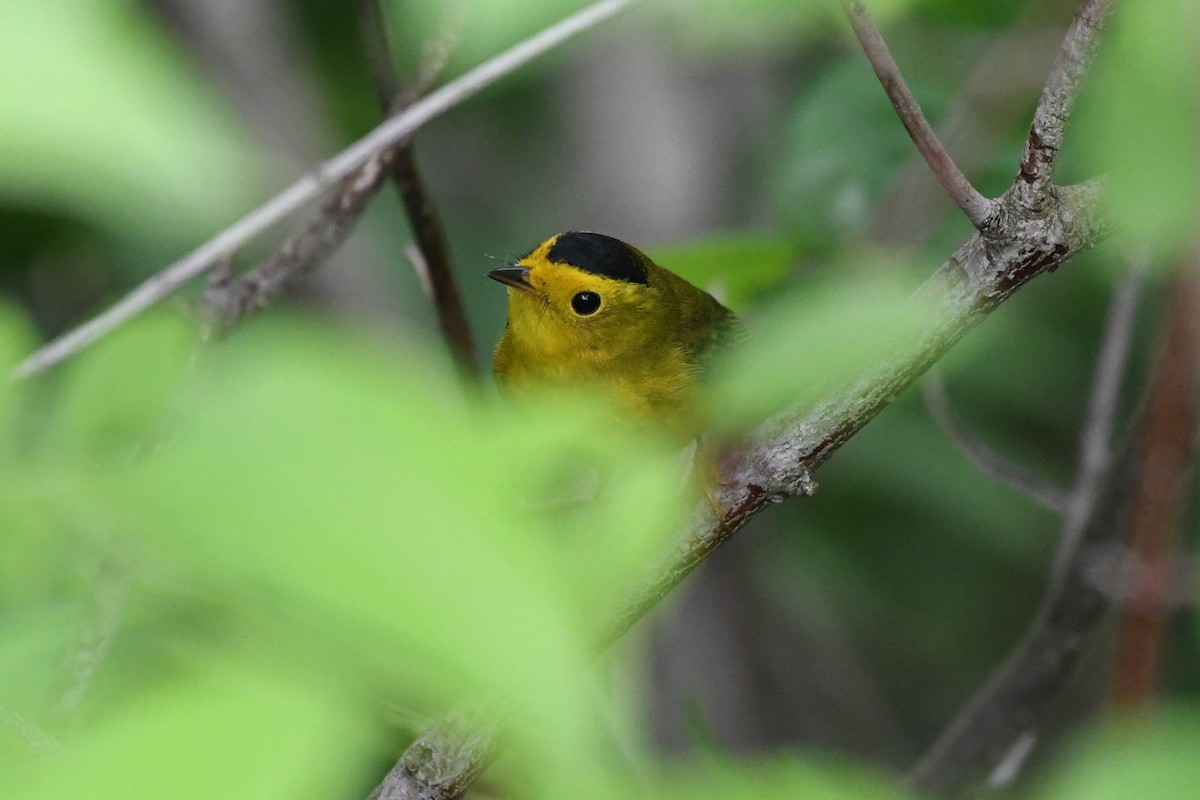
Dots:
{"x": 1057, "y": 102}
{"x": 989, "y": 462}
{"x": 995, "y": 90}
{"x": 309, "y": 187}
{"x": 977, "y": 207}
{"x": 426, "y": 225}
{"x": 1002, "y": 714}
{"x": 1097, "y": 435}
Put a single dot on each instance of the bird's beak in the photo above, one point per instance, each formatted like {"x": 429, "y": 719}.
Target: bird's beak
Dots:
{"x": 516, "y": 277}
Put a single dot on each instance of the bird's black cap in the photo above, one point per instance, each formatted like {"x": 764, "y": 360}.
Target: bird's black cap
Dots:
{"x": 599, "y": 255}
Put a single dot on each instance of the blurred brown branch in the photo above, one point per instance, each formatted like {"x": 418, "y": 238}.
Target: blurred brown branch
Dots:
{"x": 1168, "y": 455}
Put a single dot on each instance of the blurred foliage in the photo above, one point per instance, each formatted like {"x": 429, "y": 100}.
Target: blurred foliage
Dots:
{"x": 309, "y": 523}
{"x": 112, "y": 126}
{"x": 843, "y": 141}
{"x": 736, "y": 268}
{"x": 1145, "y": 64}
{"x": 1138, "y": 756}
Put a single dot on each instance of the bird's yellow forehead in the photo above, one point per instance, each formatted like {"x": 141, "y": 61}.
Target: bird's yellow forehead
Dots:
{"x": 558, "y": 282}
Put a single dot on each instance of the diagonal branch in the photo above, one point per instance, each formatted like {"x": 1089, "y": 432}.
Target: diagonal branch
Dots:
{"x": 1099, "y": 426}
{"x": 309, "y": 187}
{"x": 977, "y": 207}
{"x": 229, "y": 298}
{"x": 1058, "y": 100}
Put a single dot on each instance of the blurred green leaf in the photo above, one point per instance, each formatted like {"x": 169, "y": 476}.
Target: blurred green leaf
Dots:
{"x": 106, "y": 121}
{"x": 231, "y": 732}
{"x": 122, "y": 391}
{"x": 811, "y": 343}
{"x": 16, "y": 341}
{"x": 1151, "y": 758}
{"x": 737, "y": 268}
{"x": 397, "y": 524}
{"x": 843, "y": 143}
{"x": 1139, "y": 121}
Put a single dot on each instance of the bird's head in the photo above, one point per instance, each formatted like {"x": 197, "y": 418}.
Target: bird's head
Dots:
{"x": 579, "y": 291}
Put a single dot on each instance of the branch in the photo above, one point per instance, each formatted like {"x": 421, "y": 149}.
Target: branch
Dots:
{"x": 418, "y": 206}
{"x": 986, "y": 460}
{"x": 992, "y": 94}
{"x": 1096, "y": 438}
{"x": 1058, "y": 100}
{"x": 977, "y": 207}
{"x": 1014, "y": 701}
{"x": 442, "y": 764}
{"x": 311, "y": 186}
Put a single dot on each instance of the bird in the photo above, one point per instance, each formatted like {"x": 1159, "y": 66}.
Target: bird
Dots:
{"x": 593, "y": 313}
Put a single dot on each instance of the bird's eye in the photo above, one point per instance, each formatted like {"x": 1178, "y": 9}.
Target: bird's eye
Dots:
{"x": 585, "y": 303}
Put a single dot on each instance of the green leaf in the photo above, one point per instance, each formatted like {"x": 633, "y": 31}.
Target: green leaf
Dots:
{"x": 104, "y": 121}
{"x": 117, "y": 394}
{"x": 1139, "y": 121}
{"x": 396, "y": 525}
{"x": 1149, "y": 758}
{"x": 232, "y": 732}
